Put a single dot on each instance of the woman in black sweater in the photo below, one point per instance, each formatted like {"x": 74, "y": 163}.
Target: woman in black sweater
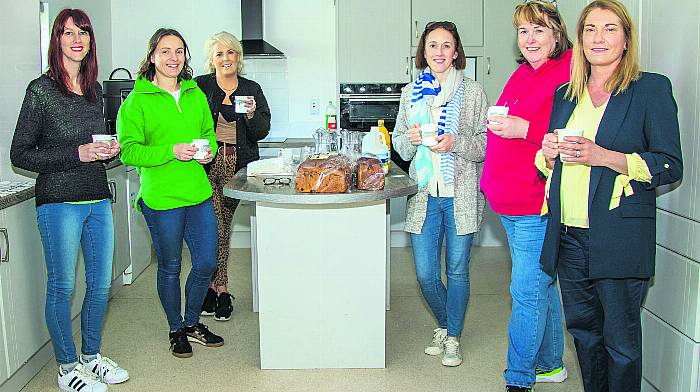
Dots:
{"x": 61, "y": 111}
{"x": 238, "y": 131}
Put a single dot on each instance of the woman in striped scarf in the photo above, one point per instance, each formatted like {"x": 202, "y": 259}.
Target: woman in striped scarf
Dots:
{"x": 448, "y": 204}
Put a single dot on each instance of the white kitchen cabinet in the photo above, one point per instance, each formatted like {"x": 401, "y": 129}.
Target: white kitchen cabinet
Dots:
{"x": 22, "y": 287}
{"x": 116, "y": 179}
{"x": 467, "y": 15}
{"x": 373, "y": 48}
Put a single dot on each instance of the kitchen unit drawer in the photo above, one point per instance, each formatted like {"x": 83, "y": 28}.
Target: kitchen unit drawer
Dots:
{"x": 670, "y": 359}
{"x": 22, "y": 288}
{"x": 673, "y": 295}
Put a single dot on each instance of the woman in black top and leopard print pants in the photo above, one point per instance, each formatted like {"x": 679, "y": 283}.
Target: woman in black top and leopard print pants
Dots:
{"x": 237, "y": 136}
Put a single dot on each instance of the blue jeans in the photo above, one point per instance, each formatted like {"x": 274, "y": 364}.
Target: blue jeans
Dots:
{"x": 197, "y": 226}
{"x": 447, "y": 304}
{"x": 64, "y": 229}
{"x": 536, "y": 331}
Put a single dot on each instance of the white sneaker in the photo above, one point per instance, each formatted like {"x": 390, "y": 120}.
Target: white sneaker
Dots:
{"x": 80, "y": 380}
{"x": 453, "y": 354}
{"x": 107, "y": 370}
{"x": 437, "y": 345}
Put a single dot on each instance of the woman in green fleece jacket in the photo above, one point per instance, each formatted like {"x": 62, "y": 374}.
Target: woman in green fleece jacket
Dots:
{"x": 156, "y": 126}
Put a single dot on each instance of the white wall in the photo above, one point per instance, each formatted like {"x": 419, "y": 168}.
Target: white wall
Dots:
{"x": 134, "y": 21}
{"x": 305, "y": 31}
{"x": 19, "y": 45}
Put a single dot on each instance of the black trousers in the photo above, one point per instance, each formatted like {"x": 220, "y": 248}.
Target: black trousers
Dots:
{"x": 603, "y": 316}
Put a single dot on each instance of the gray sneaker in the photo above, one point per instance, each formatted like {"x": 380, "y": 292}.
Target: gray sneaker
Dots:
{"x": 437, "y": 345}
{"x": 452, "y": 356}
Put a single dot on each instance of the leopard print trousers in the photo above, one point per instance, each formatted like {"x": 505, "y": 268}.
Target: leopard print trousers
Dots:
{"x": 221, "y": 171}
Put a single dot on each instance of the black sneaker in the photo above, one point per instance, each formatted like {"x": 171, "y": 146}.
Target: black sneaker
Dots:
{"x": 179, "y": 345}
{"x": 209, "y": 305}
{"x": 224, "y": 307}
{"x": 200, "y": 333}
{"x": 513, "y": 388}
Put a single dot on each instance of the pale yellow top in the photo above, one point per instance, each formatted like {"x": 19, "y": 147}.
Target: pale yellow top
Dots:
{"x": 575, "y": 178}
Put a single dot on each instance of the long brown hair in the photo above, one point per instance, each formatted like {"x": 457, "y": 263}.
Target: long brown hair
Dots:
{"x": 459, "y": 63}
{"x": 147, "y": 68}
{"x": 628, "y": 70}
{"x": 88, "y": 66}
{"x": 544, "y": 14}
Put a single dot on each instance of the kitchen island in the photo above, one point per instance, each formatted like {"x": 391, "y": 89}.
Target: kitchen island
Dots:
{"x": 320, "y": 269}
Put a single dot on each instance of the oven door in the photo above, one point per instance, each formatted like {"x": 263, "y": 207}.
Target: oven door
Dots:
{"x": 360, "y": 112}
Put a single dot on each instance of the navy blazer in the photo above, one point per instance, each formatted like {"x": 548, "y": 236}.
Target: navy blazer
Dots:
{"x": 643, "y": 119}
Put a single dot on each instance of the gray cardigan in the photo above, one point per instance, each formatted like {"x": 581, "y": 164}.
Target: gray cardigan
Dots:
{"x": 469, "y": 149}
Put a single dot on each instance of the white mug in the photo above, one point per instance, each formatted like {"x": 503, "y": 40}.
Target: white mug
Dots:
{"x": 241, "y": 103}
{"x": 202, "y": 145}
{"x": 562, "y": 133}
{"x": 103, "y": 138}
{"x": 428, "y": 133}
{"x": 497, "y": 111}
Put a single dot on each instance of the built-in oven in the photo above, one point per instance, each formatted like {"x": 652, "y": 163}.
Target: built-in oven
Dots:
{"x": 363, "y": 105}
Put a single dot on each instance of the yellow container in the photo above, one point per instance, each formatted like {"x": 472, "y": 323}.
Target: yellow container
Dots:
{"x": 387, "y": 138}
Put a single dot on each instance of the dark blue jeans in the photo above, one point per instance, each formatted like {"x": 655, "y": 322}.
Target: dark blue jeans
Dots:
{"x": 447, "y": 304}
{"x": 65, "y": 228}
{"x": 197, "y": 226}
{"x": 603, "y": 316}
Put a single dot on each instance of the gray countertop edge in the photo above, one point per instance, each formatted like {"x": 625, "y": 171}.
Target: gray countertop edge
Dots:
{"x": 26, "y": 194}
{"x": 16, "y": 198}
{"x": 397, "y": 184}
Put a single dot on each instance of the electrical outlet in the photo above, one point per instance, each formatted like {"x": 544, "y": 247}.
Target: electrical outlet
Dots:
{"x": 314, "y": 109}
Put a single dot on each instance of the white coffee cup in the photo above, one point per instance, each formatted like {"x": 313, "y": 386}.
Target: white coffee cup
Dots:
{"x": 497, "y": 111}
{"x": 103, "y": 138}
{"x": 428, "y": 133}
{"x": 241, "y": 103}
{"x": 202, "y": 145}
{"x": 562, "y": 133}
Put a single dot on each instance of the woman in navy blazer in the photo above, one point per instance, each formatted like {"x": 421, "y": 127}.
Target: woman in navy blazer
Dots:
{"x": 604, "y": 260}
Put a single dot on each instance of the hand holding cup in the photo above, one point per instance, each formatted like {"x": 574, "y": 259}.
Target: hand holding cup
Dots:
{"x": 414, "y": 135}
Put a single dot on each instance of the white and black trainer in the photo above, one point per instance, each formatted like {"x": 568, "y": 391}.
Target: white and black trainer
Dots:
{"x": 107, "y": 370}
{"x": 80, "y": 380}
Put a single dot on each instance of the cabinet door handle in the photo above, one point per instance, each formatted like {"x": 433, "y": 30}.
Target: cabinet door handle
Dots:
{"x": 488, "y": 65}
{"x": 113, "y": 191}
{"x": 5, "y": 259}
{"x": 408, "y": 63}
{"x": 415, "y": 22}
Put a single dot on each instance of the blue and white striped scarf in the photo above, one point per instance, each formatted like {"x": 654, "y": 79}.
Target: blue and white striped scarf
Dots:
{"x": 425, "y": 88}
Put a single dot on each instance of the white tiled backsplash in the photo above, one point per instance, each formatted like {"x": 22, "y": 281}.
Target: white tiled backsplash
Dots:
{"x": 271, "y": 74}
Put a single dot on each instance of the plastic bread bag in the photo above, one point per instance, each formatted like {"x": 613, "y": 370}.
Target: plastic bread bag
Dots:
{"x": 324, "y": 173}
{"x": 369, "y": 173}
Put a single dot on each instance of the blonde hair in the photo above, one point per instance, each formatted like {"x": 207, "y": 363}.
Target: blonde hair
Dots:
{"x": 544, "y": 14}
{"x": 628, "y": 69}
{"x": 227, "y": 40}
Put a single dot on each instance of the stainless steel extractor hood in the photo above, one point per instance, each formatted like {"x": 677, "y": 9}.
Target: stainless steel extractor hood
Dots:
{"x": 252, "y": 32}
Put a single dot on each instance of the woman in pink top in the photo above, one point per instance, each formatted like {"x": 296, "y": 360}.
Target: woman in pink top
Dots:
{"x": 515, "y": 191}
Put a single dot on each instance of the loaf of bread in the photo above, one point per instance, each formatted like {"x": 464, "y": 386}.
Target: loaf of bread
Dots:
{"x": 370, "y": 174}
{"x": 328, "y": 174}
